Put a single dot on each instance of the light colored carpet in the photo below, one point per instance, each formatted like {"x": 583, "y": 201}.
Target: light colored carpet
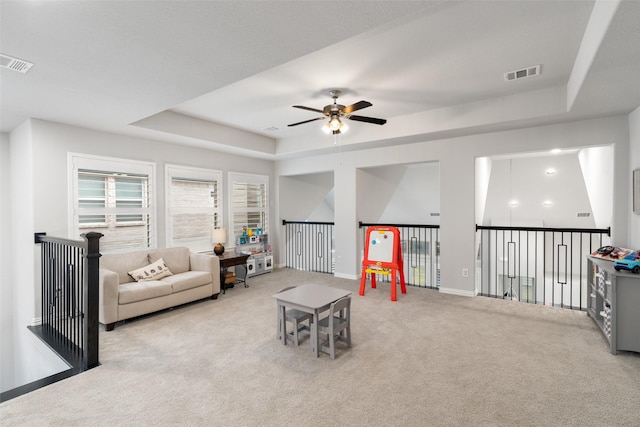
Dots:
{"x": 427, "y": 359}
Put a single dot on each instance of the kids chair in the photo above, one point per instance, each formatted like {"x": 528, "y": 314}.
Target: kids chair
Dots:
{"x": 336, "y": 326}
{"x": 296, "y": 317}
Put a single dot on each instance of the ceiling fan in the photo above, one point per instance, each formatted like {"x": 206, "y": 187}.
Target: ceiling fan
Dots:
{"x": 336, "y": 111}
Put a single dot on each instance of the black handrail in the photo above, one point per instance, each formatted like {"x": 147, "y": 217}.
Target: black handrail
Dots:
{"x": 379, "y": 224}
{"x": 556, "y": 230}
{"x": 285, "y": 222}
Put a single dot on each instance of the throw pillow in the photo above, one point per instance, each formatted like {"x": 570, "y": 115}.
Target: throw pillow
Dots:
{"x": 154, "y": 271}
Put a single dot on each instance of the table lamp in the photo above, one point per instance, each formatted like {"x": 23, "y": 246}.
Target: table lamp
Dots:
{"x": 218, "y": 236}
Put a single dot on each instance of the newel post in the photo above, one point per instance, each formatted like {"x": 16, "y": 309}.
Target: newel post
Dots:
{"x": 92, "y": 300}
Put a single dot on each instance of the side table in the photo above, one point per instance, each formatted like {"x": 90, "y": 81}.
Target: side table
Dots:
{"x": 232, "y": 259}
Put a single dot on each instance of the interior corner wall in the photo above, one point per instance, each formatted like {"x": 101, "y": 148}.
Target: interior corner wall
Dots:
{"x": 634, "y": 163}
{"x": 309, "y": 197}
{"x": 7, "y": 372}
{"x": 483, "y": 176}
{"x": 596, "y": 164}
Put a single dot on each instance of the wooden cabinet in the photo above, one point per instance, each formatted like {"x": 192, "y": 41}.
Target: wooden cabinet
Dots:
{"x": 614, "y": 304}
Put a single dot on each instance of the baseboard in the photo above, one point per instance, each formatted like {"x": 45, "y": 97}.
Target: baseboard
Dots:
{"x": 459, "y": 292}
{"x": 347, "y": 276}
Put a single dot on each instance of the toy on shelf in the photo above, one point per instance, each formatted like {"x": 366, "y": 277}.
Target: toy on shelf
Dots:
{"x": 611, "y": 253}
{"x": 630, "y": 263}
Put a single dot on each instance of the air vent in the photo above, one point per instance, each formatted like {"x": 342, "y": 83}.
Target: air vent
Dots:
{"x": 584, "y": 214}
{"x": 531, "y": 71}
{"x": 435, "y": 214}
{"x": 15, "y": 64}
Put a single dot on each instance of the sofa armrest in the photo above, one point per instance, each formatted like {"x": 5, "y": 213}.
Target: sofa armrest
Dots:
{"x": 210, "y": 263}
{"x": 109, "y": 282}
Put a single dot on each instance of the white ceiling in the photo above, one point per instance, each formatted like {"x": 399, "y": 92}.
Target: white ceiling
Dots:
{"x": 203, "y": 72}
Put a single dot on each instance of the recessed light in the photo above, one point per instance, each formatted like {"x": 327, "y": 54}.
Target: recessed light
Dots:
{"x": 556, "y": 151}
{"x": 547, "y": 203}
{"x": 550, "y": 171}
{"x": 513, "y": 203}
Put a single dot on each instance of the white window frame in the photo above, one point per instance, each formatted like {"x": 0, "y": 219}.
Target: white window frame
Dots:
{"x": 251, "y": 179}
{"x": 187, "y": 172}
{"x": 78, "y": 161}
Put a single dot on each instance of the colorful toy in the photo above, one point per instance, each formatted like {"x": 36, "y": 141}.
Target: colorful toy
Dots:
{"x": 631, "y": 263}
{"x": 383, "y": 255}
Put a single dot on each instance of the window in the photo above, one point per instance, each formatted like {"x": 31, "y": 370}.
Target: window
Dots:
{"x": 249, "y": 202}
{"x": 112, "y": 197}
{"x": 194, "y": 206}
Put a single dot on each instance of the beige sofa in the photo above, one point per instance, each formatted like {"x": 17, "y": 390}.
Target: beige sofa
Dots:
{"x": 183, "y": 277}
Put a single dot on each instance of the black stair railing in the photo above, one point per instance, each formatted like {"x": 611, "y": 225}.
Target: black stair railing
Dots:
{"x": 537, "y": 265}
{"x": 70, "y": 298}
{"x": 309, "y": 246}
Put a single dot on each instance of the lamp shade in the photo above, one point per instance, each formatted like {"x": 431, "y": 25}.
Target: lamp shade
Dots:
{"x": 218, "y": 235}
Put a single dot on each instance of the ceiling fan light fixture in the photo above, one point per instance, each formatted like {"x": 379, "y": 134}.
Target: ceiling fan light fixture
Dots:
{"x": 335, "y": 123}
{"x": 334, "y": 126}
{"x": 334, "y": 111}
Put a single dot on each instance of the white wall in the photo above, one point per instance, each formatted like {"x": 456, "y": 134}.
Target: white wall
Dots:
{"x": 400, "y": 194}
{"x": 456, "y": 157}
{"x": 30, "y": 359}
{"x": 524, "y": 179}
{"x": 306, "y": 198}
{"x": 634, "y": 163}
{"x": 39, "y": 187}
{"x": 597, "y": 164}
{"x": 483, "y": 175}
{"x": 6, "y": 289}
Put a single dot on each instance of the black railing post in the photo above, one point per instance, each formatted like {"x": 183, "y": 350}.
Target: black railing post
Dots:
{"x": 92, "y": 300}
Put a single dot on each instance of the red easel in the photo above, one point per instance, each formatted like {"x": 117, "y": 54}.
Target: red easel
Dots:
{"x": 387, "y": 258}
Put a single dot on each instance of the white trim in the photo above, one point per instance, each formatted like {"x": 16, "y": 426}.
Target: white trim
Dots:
{"x": 241, "y": 177}
{"x": 76, "y": 161}
{"x": 346, "y": 276}
{"x": 172, "y": 170}
{"x": 459, "y": 292}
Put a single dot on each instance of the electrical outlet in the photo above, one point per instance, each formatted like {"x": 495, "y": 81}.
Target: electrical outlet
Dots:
{"x": 465, "y": 272}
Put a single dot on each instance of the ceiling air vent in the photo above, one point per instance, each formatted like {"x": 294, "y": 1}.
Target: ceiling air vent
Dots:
{"x": 584, "y": 214}
{"x": 531, "y": 71}
{"x": 435, "y": 214}
{"x": 15, "y": 64}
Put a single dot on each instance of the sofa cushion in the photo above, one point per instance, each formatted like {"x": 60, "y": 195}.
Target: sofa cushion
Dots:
{"x": 177, "y": 259}
{"x": 155, "y": 271}
{"x": 124, "y": 263}
{"x": 188, "y": 280}
{"x": 140, "y": 291}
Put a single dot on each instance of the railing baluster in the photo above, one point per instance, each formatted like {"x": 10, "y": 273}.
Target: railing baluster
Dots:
{"x": 65, "y": 314}
{"x": 564, "y": 256}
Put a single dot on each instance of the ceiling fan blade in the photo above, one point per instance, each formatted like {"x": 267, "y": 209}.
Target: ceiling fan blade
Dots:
{"x": 357, "y": 106}
{"x": 368, "y": 120}
{"x": 306, "y": 121}
{"x": 308, "y": 108}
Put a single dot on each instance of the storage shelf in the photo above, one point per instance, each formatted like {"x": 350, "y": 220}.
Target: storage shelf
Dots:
{"x": 613, "y": 303}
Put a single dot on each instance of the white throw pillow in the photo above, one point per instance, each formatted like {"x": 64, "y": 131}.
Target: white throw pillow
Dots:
{"x": 154, "y": 271}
